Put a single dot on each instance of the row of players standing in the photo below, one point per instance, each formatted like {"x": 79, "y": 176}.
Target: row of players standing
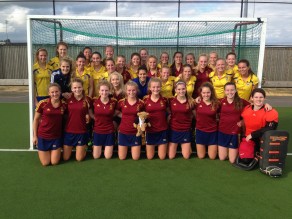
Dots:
{"x": 183, "y": 85}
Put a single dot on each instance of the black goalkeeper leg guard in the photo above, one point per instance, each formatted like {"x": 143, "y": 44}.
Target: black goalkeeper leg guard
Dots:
{"x": 273, "y": 152}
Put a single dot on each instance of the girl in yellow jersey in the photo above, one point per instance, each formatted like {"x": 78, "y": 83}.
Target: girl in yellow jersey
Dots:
{"x": 167, "y": 88}
{"x": 110, "y": 67}
{"x": 190, "y": 60}
{"x": 97, "y": 71}
{"x": 231, "y": 67}
{"x": 220, "y": 77}
{"x": 213, "y": 56}
{"x": 84, "y": 74}
{"x": 87, "y": 52}
{"x": 61, "y": 52}
{"x": 246, "y": 81}
{"x": 135, "y": 63}
{"x": 42, "y": 75}
{"x": 164, "y": 58}
{"x": 187, "y": 77}
{"x": 144, "y": 56}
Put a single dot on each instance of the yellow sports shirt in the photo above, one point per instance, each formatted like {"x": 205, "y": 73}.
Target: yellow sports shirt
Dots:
{"x": 42, "y": 79}
{"x": 219, "y": 83}
{"x": 245, "y": 87}
{"x": 167, "y": 87}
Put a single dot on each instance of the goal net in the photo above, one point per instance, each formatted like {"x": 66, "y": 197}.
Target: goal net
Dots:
{"x": 244, "y": 36}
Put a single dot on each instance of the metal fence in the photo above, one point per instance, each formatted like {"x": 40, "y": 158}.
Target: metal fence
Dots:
{"x": 277, "y": 63}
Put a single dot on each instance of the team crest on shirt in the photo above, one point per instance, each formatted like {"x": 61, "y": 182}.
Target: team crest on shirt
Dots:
{"x": 149, "y": 104}
{"x": 200, "y": 105}
{"x": 161, "y": 103}
{"x": 48, "y": 109}
{"x": 174, "y": 104}
{"x": 98, "y": 105}
{"x": 187, "y": 106}
{"x": 84, "y": 104}
{"x": 62, "y": 110}
{"x": 224, "y": 103}
{"x": 138, "y": 108}
{"x": 71, "y": 101}
{"x": 111, "y": 106}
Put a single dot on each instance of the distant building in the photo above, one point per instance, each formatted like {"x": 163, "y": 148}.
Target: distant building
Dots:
{"x": 4, "y": 42}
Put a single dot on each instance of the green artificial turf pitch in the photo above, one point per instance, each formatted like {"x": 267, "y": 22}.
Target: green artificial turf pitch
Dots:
{"x": 133, "y": 189}
{"x": 139, "y": 189}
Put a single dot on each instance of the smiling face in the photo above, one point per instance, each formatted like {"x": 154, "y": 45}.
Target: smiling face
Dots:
{"x": 144, "y": 55}
{"x": 54, "y": 93}
{"x": 142, "y": 75}
{"x": 213, "y": 58}
{"x": 77, "y": 89}
{"x": 230, "y": 91}
{"x": 121, "y": 62}
{"x": 96, "y": 59}
{"x": 231, "y": 59}
{"x": 131, "y": 91}
{"x": 165, "y": 72}
{"x": 258, "y": 99}
{"x": 104, "y": 91}
{"x": 190, "y": 60}
{"x": 110, "y": 66}
{"x": 206, "y": 94}
{"x": 152, "y": 63}
{"x": 243, "y": 69}
{"x": 115, "y": 81}
{"x": 80, "y": 63}
{"x": 109, "y": 52}
{"x": 65, "y": 67}
{"x": 42, "y": 57}
{"x": 155, "y": 88}
{"x": 187, "y": 72}
{"x": 203, "y": 62}
{"x": 164, "y": 58}
{"x": 178, "y": 58}
{"x": 135, "y": 61}
{"x": 87, "y": 53}
{"x": 220, "y": 66}
{"x": 180, "y": 90}
{"x": 62, "y": 51}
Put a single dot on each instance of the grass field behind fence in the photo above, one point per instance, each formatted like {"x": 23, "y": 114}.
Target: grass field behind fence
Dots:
{"x": 133, "y": 189}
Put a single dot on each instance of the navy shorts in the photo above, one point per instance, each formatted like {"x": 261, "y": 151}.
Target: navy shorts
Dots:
{"x": 180, "y": 137}
{"x": 227, "y": 140}
{"x": 206, "y": 138}
{"x": 49, "y": 144}
{"x": 103, "y": 139}
{"x": 157, "y": 138}
{"x": 71, "y": 139}
{"x": 129, "y": 140}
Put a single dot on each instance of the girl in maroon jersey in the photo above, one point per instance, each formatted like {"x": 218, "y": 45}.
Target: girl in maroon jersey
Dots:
{"x": 206, "y": 125}
{"x": 156, "y": 106}
{"x": 121, "y": 68}
{"x": 202, "y": 73}
{"x": 152, "y": 68}
{"x": 164, "y": 58}
{"x": 117, "y": 86}
{"x": 128, "y": 109}
{"x": 229, "y": 123}
{"x": 177, "y": 66}
{"x": 47, "y": 126}
{"x": 103, "y": 113}
{"x": 181, "y": 115}
{"x": 76, "y": 134}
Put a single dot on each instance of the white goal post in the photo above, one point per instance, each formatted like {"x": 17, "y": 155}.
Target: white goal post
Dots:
{"x": 244, "y": 36}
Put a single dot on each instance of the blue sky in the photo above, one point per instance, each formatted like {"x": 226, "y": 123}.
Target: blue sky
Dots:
{"x": 279, "y": 16}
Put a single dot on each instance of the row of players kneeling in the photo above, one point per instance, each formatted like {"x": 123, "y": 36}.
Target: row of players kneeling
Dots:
{"x": 270, "y": 153}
